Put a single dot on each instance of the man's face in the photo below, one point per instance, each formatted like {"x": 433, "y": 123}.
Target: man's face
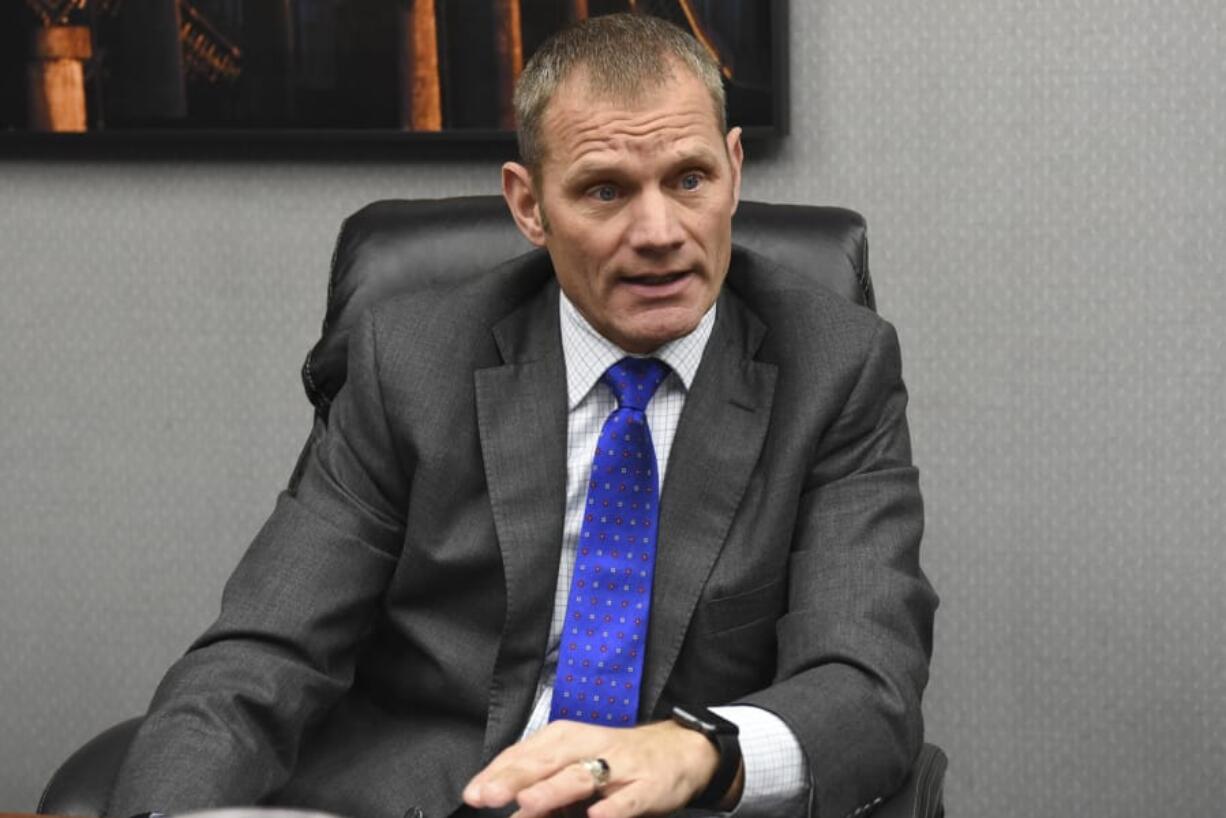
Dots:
{"x": 634, "y": 203}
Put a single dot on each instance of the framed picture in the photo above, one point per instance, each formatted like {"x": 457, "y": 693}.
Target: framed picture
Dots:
{"x": 113, "y": 71}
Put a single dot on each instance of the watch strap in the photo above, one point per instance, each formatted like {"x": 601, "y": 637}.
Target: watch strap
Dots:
{"x": 723, "y": 734}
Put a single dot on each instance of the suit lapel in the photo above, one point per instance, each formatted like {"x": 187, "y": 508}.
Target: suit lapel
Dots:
{"x": 521, "y": 415}
{"x": 717, "y": 443}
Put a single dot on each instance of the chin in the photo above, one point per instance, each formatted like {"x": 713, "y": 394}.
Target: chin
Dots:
{"x": 642, "y": 340}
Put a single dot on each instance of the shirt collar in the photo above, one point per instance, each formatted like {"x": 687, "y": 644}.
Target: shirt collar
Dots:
{"x": 588, "y": 353}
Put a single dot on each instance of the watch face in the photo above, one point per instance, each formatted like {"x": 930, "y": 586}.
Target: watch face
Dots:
{"x": 704, "y": 721}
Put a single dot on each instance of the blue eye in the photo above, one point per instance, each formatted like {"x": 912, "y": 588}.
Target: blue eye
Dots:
{"x": 691, "y": 181}
{"x": 606, "y": 193}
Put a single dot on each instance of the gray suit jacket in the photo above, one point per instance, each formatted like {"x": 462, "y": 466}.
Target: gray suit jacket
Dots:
{"x": 383, "y": 636}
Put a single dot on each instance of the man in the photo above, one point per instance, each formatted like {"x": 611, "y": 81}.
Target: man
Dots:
{"x": 461, "y": 609}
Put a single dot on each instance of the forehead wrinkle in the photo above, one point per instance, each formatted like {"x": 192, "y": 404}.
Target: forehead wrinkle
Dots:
{"x": 578, "y": 120}
{"x": 583, "y": 108}
{"x": 632, "y": 134}
{"x": 598, "y": 158}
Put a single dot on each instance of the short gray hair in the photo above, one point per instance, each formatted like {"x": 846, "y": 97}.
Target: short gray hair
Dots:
{"x": 624, "y": 54}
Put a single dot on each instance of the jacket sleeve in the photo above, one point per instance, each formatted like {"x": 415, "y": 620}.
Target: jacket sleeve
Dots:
{"x": 854, "y": 645}
{"x": 225, "y": 724}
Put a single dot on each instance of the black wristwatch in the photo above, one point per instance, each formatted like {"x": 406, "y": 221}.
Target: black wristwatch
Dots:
{"x": 723, "y": 734}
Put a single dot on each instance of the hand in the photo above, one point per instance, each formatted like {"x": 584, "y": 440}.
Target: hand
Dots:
{"x": 654, "y": 769}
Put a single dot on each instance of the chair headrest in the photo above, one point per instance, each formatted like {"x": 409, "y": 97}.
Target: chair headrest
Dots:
{"x": 396, "y": 246}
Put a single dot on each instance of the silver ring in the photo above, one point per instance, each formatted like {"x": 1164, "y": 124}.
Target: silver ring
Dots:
{"x": 598, "y": 769}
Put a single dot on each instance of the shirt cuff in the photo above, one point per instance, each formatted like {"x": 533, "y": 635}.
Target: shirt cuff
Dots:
{"x": 776, "y": 773}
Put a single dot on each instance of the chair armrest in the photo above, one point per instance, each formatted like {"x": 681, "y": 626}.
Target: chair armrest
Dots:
{"x": 922, "y": 795}
{"x": 82, "y": 785}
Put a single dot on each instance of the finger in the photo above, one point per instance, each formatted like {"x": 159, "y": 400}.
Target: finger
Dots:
{"x": 632, "y": 800}
{"x": 533, "y": 760}
{"x": 550, "y": 748}
{"x": 570, "y": 785}
{"x": 576, "y": 810}
{"x": 504, "y": 778}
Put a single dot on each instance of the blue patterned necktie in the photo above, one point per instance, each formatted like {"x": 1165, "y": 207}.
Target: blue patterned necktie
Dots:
{"x": 604, "y": 638}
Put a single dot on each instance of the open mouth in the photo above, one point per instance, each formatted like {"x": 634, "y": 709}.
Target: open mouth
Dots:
{"x": 662, "y": 280}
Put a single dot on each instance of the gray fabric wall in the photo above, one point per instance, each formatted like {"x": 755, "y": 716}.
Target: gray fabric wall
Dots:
{"x": 1045, "y": 188}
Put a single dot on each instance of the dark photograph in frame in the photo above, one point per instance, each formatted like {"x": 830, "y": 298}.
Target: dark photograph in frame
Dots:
{"x": 97, "y": 71}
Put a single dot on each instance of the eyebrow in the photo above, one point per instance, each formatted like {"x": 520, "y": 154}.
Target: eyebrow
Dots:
{"x": 585, "y": 169}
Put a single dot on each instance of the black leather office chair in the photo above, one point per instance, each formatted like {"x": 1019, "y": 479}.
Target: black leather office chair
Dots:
{"x": 392, "y": 247}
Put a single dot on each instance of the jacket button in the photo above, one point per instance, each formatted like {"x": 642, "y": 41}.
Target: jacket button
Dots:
{"x": 414, "y": 812}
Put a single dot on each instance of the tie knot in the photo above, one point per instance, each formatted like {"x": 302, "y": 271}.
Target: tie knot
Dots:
{"x": 634, "y": 381}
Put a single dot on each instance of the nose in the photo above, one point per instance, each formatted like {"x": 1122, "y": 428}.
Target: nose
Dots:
{"x": 656, "y": 226}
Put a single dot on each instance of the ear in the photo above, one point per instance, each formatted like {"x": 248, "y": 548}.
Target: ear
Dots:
{"x": 520, "y": 195}
{"x": 736, "y": 156}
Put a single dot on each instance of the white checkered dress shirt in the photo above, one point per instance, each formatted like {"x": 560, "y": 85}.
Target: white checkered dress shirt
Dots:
{"x": 776, "y": 777}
